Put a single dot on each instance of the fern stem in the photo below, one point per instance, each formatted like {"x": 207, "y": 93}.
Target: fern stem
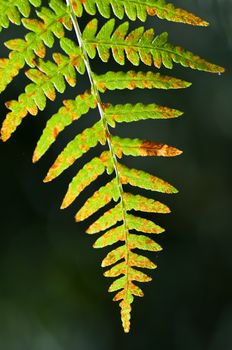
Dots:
{"x": 108, "y": 135}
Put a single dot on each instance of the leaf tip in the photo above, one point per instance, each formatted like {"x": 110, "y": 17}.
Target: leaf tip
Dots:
{"x": 173, "y": 152}
{"x": 103, "y": 264}
{"x": 3, "y": 138}
{"x": 221, "y": 70}
{"x": 77, "y": 218}
{"x": 167, "y": 210}
{"x": 47, "y": 179}
{"x": 204, "y": 23}
{"x": 89, "y": 230}
{"x": 66, "y": 201}
{"x": 35, "y": 157}
{"x": 179, "y": 113}
{"x": 126, "y": 329}
{"x": 5, "y": 134}
{"x": 161, "y": 230}
{"x": 63, "y": 205}
{"x": 188, "y": 84}
{"x": 178, "y": 152}
{"x": 175, "y": 190}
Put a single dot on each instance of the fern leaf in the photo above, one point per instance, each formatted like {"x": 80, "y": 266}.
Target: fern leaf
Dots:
{"x": 110, "y": 237}
{"x": 118, "y": 284}
{"x": 130, "y": 113}
{"x": 48, "y": 78}
{"x": 139, "y": 45}
{"x": 114, "y": 256}
{"x": 55, "y": 19}
{"x": 135, "y": 202}
{"x": 108, "y": 219}
{"x": 141, "y": 203}
{"x": 76, "y": 148}
{"x": 135, "y": 260}
{"x": 137, "y": 80}
{"x": 124, "y": 284}
{"x": 137, "y": 147}
{"x": 11, "y": 11}
{"x": 71, "y": 111}
{"x": 134, "y": 9}
{"x": 86, "y": 176}
{"x": 134, "y": 275}
{"x": 142, "y": 225}
{"x": 143, "y": 242}
{"x": 142, "y": 179}
{"x": 41, "y": 34}
{"x": 9, "y": 68}
{"x": 116, "y": 270}
{"x": 141, "y": 261}
{"x": 99, "y": 199}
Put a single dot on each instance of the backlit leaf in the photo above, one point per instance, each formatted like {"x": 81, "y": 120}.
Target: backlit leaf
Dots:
{"x": 137, "y": 80}
{"x": 137, "y": 147}
{"x": 140, "y": 178}
{"x": 76, "y": 148}
{"x": 134, "y": 9}
{"x": 140, "y": 45}
{"x": 99, "y": 199}
{"x": 86, "y": 176}
{"x": 130, "y": 113}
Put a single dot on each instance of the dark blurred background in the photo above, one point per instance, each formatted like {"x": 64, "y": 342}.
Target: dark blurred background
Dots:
{"x": 53, "y": 295}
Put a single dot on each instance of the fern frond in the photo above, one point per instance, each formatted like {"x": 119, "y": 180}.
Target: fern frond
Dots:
{"x": 99, "y": 199}
{"x": 131, "y": 113}
{"x": 139, "y": 46}
{"x": 127, "y": 289}
{"x": 142, "y": 225}
{"x": 141, "y": 203}
{"x": 76, "y": 148}
{"x": 117, "y": 224}
{"x": 112, "y": 216}
{"x": 137, "y": 147}
{"x": 137, "y": 80}
{"x": 9, "y": 68}
{"x": 12, "y": 10}
{"x": 142, "y": 179}
{"x": 110, "y": 237}
{"x": 52, "y": 22}
{"x": 108, "y": 219}
{"x": 25, "y": 51}
{"x": 71, "y": 111}
{"x": 134, "y": 9}
{"x": 135, "y": 202}
{"x": 135, "y": 259}
{"x": 49, "y": 77}
{"x": 122, "y": 233}
{"x": 143, "y": 243}
{"x": 87, "y": 175}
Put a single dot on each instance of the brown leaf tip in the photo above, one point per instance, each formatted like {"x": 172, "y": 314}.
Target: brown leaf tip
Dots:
{"x": 150, "y": 148}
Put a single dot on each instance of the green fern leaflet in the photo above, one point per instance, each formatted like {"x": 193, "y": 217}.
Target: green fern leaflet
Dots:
{"x": 130, "y": 232}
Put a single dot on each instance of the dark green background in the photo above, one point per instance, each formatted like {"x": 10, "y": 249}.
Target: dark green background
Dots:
{"x": 53, "y": 295}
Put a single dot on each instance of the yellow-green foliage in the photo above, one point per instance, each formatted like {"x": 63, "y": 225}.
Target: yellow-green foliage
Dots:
{"x": 138, "y": 46}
